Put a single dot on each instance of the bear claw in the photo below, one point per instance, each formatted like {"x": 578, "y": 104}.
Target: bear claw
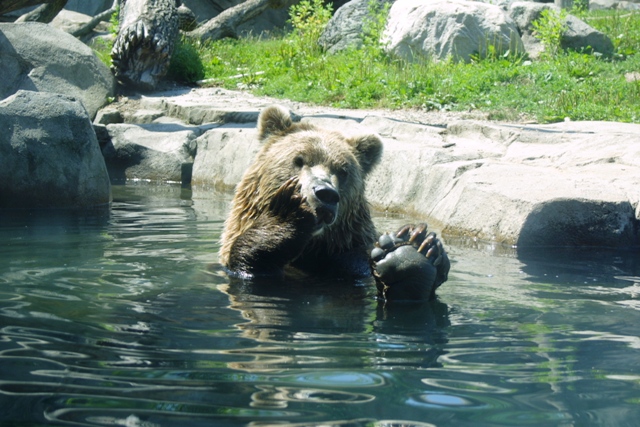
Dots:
{"x": 291, "y": 206}
{"x": 409, "y": 264}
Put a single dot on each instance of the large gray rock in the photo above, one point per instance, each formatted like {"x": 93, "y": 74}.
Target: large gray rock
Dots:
{"x": 49, "y": 155}
{"x": 345, "y": 28}
{"x": 578, "y": 35}
{"x": 441, "y": 29}
{"x": 39, "y": 57}
{"x": 582, "y": 36}
{"x": 70, "y": 21}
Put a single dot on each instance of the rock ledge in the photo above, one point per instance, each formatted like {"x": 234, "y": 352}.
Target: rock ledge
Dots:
{"x": 564, "y": 184}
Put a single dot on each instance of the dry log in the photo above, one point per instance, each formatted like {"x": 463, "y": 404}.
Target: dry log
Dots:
{"x": 226, "y": 24}
{"x": 7, "y": 6}
{"x": 145, "y": 42}
{"x": 89, "y": 26}
{"x": 43, "y": 13}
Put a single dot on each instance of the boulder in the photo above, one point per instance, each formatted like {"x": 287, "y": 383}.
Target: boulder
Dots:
{"x": 70, "y": 21}
{"x": 49, "y": 155}
{"x": 154, "y": 152}
{"x": 39, "y": 57}
{"x": 582, "y": 36}
{"x": 454, "y": 29}
{"x": 578, "y": 36}
{"x": 345, "y": 28}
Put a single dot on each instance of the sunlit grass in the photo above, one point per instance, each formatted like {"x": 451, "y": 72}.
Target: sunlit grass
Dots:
{"x": 568, "y": 85}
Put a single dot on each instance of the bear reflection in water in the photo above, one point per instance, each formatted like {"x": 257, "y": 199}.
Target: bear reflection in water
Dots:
{"x": 300, "y": 209}
{"x": 333, "y": 323}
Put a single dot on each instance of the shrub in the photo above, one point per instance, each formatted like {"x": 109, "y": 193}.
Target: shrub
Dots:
{"x": 308, "y": 19}
{"x": 549, "y": 29}
{"x": 186, "y": 63}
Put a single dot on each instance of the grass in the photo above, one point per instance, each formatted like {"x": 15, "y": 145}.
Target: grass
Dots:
{"x": 561, "y": 85}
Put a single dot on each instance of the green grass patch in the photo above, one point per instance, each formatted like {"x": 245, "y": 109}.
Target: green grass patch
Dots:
{"x": 560, "y": 85}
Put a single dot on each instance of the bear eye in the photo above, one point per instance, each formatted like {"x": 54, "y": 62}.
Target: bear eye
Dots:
{"x": 298, "y": 161}
{"x": 342, "y": 174}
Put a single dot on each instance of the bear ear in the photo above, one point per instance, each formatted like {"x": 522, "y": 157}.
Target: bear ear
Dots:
{"x": 367, "y": 149}
{"x": 273, "y": 120}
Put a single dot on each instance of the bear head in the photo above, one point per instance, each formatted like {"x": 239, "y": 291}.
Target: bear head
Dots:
{"x": 330, "y": 167}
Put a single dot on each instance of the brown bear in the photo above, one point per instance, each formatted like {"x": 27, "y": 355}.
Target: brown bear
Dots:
{"x": 300, "y": 207}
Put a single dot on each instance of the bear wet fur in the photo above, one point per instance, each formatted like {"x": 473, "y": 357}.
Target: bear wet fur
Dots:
{"x": 300, "y": 207}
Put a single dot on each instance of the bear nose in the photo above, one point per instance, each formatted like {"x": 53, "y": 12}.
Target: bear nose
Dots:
{"x": 326, "y": 194}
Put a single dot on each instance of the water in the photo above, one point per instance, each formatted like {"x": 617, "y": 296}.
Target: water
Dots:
{"x": 125, "y": 320}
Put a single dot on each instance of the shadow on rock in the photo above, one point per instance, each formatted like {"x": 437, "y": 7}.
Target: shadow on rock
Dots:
{"x": 572, "y": 223}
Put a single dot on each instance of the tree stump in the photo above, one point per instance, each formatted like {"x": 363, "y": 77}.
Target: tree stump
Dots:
{"x": 146, "y": 38}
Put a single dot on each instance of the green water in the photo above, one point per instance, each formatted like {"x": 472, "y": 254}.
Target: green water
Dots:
{"x": 126, "y": 320}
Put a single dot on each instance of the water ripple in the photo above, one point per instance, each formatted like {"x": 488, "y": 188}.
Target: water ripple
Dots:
{"x": 113, "y": 323}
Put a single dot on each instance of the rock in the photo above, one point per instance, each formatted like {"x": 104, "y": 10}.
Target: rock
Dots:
{"x": 602, "y": 4}
{"x": 143, "y": 116}
{"x": 108, "y": 116}
{"x": 581, "y": 36}
{"x": 563, "y": 184}
{"x": 449, "y": 28}
{"x": 345, "y": 28}
{"x": 613, "y": 4}
{"x": 39, "y": 57}
{"x": 190, "y": 108}
{"x": 49, "y": 155}
{"x": 205, "y": 10}
{"x": 154, "y": 152}
{"x": 578, "y": 36}
{"x": 224, "y": 154}
{"x": 69, "y": 21}
{"x": 629, "y": 5}
{"x": 523, "y": 13}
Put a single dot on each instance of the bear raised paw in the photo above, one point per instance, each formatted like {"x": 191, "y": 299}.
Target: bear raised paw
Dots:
{"x": 404, "y": 263}
{"x": 300, "y": 207}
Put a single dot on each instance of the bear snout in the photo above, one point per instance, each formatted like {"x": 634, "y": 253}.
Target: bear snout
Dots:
{"x": 326, "y": 194}
{"x": 327, "y": 207}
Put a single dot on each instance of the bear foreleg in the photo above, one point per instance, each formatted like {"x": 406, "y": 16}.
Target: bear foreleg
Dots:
{"x": 276, "y": 237}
